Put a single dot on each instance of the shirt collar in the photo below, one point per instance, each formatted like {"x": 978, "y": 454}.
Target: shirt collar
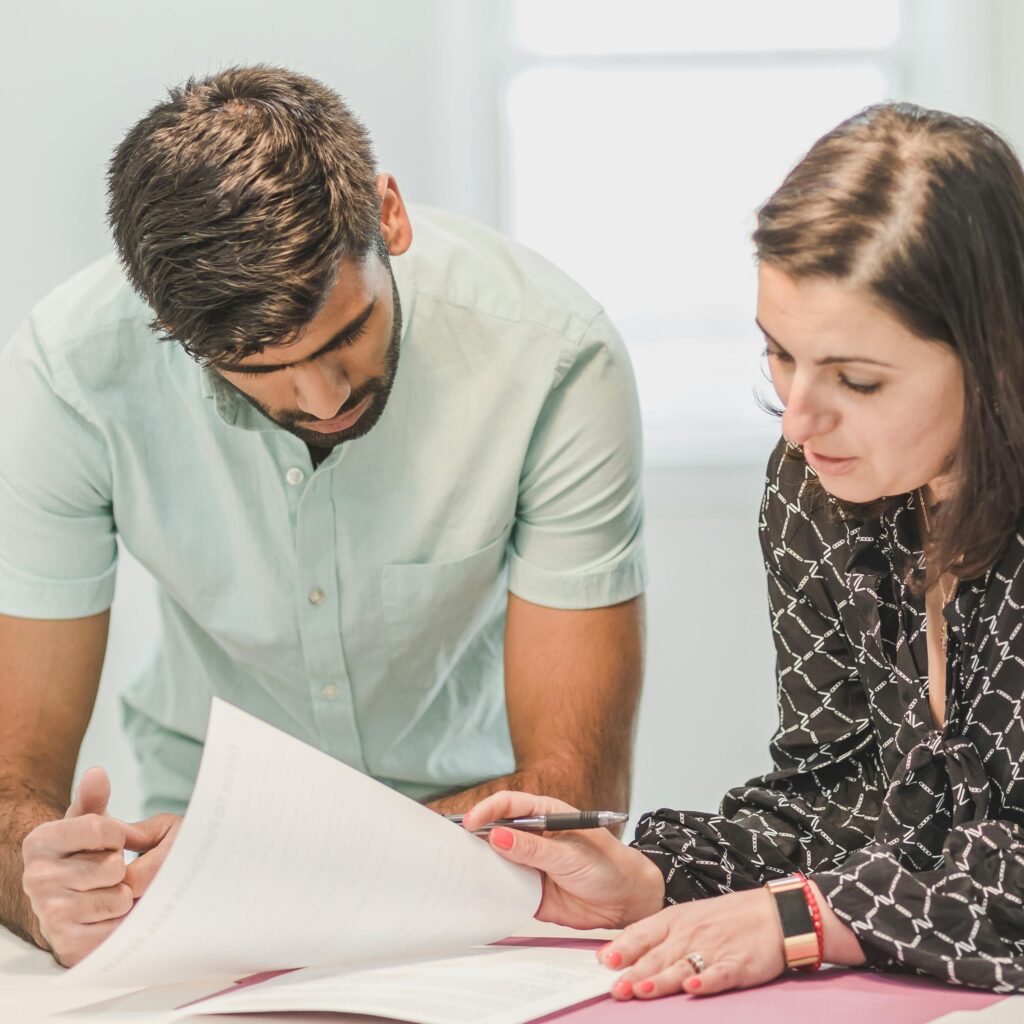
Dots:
{"x": 232, "y": 408}
{"x": 888, "y": 542}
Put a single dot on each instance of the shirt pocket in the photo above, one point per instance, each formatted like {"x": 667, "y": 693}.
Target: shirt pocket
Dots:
{"x": 434, "y": 611}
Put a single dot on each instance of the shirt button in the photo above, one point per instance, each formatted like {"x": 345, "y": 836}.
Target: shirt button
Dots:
{"x": 330, "y": 692}
{"x": 316, "y": 596}
{"x": 295, "y": 476}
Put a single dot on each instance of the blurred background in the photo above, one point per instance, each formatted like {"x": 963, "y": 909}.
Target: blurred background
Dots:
{"x": 631, "y": 144}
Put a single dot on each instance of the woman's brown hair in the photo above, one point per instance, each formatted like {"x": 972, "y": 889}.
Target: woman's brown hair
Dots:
{"x": 924, "y": 211}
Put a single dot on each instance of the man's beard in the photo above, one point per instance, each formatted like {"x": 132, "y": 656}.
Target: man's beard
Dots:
{"x": 378, "y": 389}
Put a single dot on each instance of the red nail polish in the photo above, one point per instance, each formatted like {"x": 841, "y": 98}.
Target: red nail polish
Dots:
{"x": 613, "y": 959}
{"x": 695, "y": 984}
{"x": 623, "y": 988}
{"x": 503, "y": 838}
{"x": 647, "y": 987}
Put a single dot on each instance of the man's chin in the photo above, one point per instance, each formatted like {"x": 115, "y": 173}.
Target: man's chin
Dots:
{"x": 320, "y": 439}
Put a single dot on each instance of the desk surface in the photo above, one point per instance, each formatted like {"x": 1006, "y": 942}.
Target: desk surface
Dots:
{"x": 28, "y": 996}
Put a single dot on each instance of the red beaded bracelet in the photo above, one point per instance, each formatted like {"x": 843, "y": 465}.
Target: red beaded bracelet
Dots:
{"x": 819, "y": 931}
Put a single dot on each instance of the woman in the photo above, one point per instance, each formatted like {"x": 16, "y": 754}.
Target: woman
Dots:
{"x": 891, "y": 296}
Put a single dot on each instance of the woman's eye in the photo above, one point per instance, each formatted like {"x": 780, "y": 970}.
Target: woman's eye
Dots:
{"x": 782, "y": 357}
{"x": 860, "y": 388}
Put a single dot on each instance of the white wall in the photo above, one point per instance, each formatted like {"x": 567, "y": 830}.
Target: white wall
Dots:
{"x": 74, "y": 75}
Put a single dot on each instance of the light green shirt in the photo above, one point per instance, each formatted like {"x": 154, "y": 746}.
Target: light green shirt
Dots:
{"x": 360, "y": 606}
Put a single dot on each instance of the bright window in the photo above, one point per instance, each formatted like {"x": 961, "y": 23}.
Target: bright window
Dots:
{"x": 641, "y": 138}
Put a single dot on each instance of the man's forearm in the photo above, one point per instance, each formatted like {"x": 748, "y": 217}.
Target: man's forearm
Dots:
{"x": 22, "y": 808}
{"x": 582, "y": 786}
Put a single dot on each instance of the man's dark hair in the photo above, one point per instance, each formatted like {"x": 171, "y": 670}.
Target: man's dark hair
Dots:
{"x": 924, "y": 211}
{"x": 233, "y": 203}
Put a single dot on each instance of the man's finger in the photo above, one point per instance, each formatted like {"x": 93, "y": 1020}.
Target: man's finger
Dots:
{"x": 143, "y": 870}
{"x": 78, "y": 941}
{"x": 144, "y": 835}
{"x": 511, "y": 804}
{"x": 109, "y": 904}
{"x": 92, "y": 795}
{"x": 90, "y": 832}
{"x": 90, "y": 870}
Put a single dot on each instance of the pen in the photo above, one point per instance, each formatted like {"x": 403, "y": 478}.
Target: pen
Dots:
{"x": 551, "y": 822}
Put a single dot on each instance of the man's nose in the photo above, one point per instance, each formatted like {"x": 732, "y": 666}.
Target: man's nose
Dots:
{"x": 806, "y": 415}
{"x": 321, "y": 391}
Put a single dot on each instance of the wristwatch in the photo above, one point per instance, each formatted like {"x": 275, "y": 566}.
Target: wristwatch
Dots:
{"x": 801, "y": 941}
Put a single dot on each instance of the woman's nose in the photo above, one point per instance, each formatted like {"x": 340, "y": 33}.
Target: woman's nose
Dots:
{"x": 806, "y": 416}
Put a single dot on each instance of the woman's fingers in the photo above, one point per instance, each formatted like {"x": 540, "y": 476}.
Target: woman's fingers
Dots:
{"x": 636, "y": 941}
{"x": 682, "y": 977}
{"x": 555, "y": 857}
{"x": 666, "y": 982}
{"x": 718, "y": 977}
{"x": 510, "y": 804}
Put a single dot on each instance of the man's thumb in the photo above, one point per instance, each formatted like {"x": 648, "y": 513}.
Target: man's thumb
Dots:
{"x": 92, "y": 795}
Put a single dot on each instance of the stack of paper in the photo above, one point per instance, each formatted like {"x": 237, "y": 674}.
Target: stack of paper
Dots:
{"x": 290, "y": 859}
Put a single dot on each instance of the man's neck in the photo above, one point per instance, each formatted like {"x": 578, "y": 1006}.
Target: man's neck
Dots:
{"x": 318, "y": 454}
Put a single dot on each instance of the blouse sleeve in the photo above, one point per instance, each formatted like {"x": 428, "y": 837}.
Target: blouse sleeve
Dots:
{"x": 820, "y": 802}
{"x": 963, "y": 923}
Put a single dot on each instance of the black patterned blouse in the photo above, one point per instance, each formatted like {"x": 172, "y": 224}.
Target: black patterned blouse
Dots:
{"x": 915, "y": 835}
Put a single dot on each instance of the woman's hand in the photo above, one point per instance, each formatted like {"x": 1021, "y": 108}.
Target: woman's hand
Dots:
{"x": 738, "y": 937}
{"x": 590, "y": 879}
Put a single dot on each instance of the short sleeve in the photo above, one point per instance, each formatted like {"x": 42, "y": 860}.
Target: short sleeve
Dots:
{"x": 578, "y": 536}
{"x": 58, "y": 549}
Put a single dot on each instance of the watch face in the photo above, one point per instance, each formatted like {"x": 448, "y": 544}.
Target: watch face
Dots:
{"x": 800, "y": 939}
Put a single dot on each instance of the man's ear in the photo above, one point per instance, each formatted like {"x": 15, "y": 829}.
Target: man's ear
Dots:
{"x": 395, "y": 228}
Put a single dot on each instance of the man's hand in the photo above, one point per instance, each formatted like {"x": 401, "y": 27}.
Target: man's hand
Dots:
{"x": 75, "y": 874}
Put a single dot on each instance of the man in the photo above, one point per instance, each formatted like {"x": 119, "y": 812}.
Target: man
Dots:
{"x": 450, "y": 602}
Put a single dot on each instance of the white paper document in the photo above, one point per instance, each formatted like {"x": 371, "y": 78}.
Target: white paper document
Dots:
{"x": 492, "y": 985}
{"x": 289, "y": 858}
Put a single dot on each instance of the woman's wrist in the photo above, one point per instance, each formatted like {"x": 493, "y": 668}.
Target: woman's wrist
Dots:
{"x": 647, "y": 894}
{"x": 841, "y": 945}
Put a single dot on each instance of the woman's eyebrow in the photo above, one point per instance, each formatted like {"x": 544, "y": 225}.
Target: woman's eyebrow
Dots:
{"x": 828, "y": 360}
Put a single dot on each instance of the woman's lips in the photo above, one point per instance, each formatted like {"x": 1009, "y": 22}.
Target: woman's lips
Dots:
{"x": 828, "y": 465}
{"x": 340, "y": 422}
